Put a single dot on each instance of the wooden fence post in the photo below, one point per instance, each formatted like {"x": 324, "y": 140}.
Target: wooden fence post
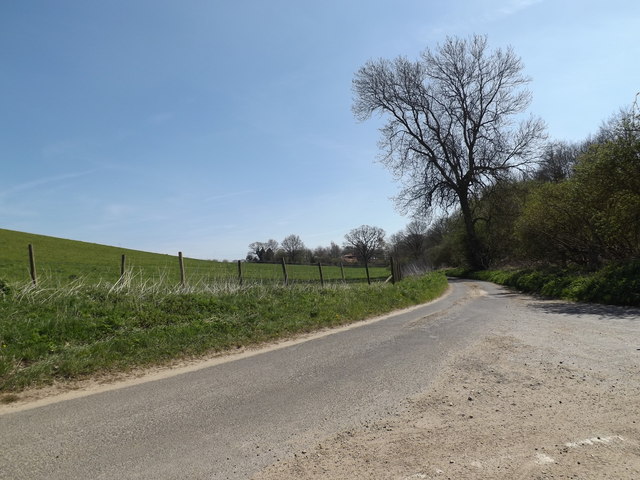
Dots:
{"x": 366, "y": 267}
{"x": 321, "y": 276}
{"x": 393, "y": 271}
{"x": 123, "y": 265}
{"x": 240, "y": 271}
{"x": 342, "y": 271}
{"x": 181, "y": 262}
{"x": 284, "y": 272}
{"x": 32, "y": 265}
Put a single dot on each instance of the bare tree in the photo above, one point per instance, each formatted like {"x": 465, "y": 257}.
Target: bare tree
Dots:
{"x": 367, "y": 241}
{"x": 293, "y": 247}
{"x": 335, "y": 252}
{"x": 262, "y": 251}
{"x": 409, "y": 246}
{"x": 450, "y": 130}
{"x": 558, "y": 159}
{"x": 414, "y": 239}
{"x": 328, "y": 255}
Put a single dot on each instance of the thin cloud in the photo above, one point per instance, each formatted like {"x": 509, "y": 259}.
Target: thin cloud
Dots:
{"x": 513, "y": 7}
{"x": 117, "y": 211}
{"x": 227, "y": 195}
{"x": 476, "y": 14}
{"x": 12, "y": 211}
{"x": 26, "y": 186}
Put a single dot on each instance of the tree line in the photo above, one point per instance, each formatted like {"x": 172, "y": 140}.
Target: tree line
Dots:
{"x": 482, "y": 182}
{"x": 457, "y": 140}
{"x": 580, "y": 207}
{"x": 364, "y": 244}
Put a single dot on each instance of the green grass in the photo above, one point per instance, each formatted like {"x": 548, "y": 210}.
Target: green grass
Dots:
{"x": 60, "y": 262}
{"x": 72, "y": 332}
{"x": 615, "y": 284}
{"x": 82, "y": 319}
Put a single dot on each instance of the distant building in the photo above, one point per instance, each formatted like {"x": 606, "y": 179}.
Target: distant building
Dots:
{"x": 349, "y": 258}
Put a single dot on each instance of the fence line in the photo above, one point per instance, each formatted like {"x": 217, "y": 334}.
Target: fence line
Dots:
{"x": 192, "y": 269}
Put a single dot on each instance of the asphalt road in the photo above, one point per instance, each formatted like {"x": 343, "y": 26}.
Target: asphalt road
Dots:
{"x": 235, "y": 418}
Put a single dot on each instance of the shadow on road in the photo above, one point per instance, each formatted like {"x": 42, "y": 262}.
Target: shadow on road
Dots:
{"x": 458, "y": 280}
{"x": 603, "y": 311}
{"x": 549, "y": 305}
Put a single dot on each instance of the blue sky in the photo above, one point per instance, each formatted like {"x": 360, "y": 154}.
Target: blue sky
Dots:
{"x": 202, "y": 126}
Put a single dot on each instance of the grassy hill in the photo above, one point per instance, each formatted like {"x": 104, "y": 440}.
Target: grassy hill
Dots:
{"x": 81, "y": 321}
{"x": 60, "y": 261}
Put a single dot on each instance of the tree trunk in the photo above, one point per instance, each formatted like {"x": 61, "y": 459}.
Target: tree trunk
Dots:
{"x": 473, "y": 245}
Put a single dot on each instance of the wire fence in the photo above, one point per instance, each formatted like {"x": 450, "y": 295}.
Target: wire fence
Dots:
{"x": 53, "y": 268}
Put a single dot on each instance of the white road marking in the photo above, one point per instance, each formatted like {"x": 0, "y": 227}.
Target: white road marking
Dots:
{"x": 542, "y": 459}
{"x": 594, "y": 441}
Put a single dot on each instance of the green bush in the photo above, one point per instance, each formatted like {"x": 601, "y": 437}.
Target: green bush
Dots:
{"x": 593, "y": 217}
{"x": 615, "y": 284}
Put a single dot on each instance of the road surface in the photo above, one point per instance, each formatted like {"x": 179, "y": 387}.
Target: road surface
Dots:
{"x": 235, "y": 418}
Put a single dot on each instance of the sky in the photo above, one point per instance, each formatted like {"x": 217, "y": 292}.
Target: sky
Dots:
{"x": 202, "y": 126}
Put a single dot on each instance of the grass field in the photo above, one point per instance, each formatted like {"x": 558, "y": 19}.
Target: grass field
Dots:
{"x": 60, "y": 262}
{"x": 80, "y": 321}
{"x": 63, "y": 334}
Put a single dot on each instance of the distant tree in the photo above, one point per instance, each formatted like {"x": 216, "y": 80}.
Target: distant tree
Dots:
{"x": 623, "y": 125}
{"x": 306, "y": 254}
{"x": 418, "y": 246}
{"x": 366, "y": 241}
{"x": 394, "y": 244}
{"x": 450, "y": 129}
{"x": 446, "y": 242}
{"x": 327, "y": 255}
{"x": 293, "y": 248}
{"x": 335, "y": 253}
{"x": 410, "y": 243}
{"x": 262, "y": 251}
{"x": 319, "y": 254}
{"x": 557, "y": 161}
{"x": 415, "y": 239}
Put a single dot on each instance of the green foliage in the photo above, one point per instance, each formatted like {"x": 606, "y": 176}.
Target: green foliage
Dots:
{"x": 497, "y": 212}
{"x": 451, "y": 250}
{"x": 552, "y": 227}
{"x": 455, "y": 272}
{"x": 582, "y": 211}
{"x": 581, "y": 230}
{"x": 593, "y": 217}
{"x": 48, "y": 334}
{"x": 609, "y": 175}
{"x": 617, "y": 284}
